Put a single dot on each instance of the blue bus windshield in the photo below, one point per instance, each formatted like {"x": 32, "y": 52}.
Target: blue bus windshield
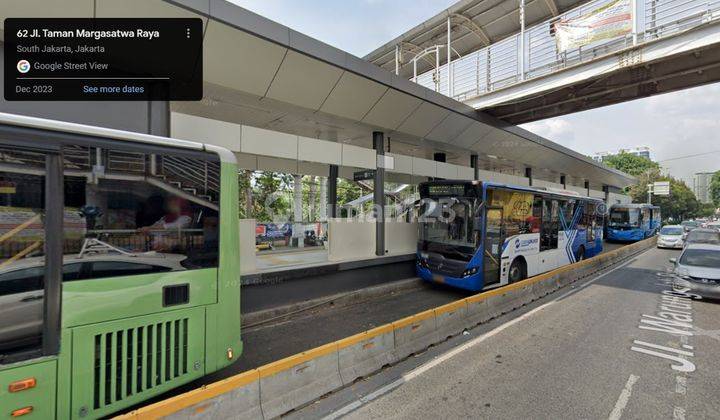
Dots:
{"x": 447, "y": 228}
{"x": 624, "y": 217}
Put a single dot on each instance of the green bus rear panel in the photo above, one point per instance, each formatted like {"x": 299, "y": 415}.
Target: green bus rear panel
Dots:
{"x": 120, "y": 363}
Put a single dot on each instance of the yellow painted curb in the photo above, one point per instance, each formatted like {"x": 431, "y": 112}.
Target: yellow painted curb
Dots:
{"x": 420, "y": 316}
{"x": 190, "y": 398}
{"x": 365, "y": 335}
{"x": 296, "y": 359}
{"x": 450, "y": 307}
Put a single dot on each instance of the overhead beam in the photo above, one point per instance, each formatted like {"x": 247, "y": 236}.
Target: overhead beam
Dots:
{"x": 552, "y": 6}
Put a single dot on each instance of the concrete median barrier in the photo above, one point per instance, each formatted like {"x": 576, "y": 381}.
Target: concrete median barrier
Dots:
{"x": 415, "y": 333}
{"x": 297, "y": 380}
{"x": 279, "y": 387}
{"x": 235, "y": 397}
{"x": 365, "y": 353}
{"x": 451, "y": 319}
{"x": 477, "y": 311}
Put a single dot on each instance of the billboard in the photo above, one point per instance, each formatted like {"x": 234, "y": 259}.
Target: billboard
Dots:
{"x": 610, "y": 21}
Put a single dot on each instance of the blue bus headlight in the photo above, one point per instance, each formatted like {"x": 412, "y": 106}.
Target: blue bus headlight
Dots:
{"x": 422, "y": 262}
{"x": 470, "y": 272}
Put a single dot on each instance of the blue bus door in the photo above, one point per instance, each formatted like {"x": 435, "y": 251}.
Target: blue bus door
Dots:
{"x": 494, "y": 237}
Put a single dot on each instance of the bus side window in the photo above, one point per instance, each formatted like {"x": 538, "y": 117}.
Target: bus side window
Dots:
{"x": 550, "y": 225}
{"x": 536, "y": 221}
{"x": 163, "y": 215}
{"x": 590, "y": 224}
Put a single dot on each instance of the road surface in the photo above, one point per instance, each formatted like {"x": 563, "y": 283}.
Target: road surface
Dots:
{"x": 600, "y": 350}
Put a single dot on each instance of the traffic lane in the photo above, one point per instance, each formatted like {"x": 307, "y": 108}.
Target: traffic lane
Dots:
{"x": 317, "y": 327}
{"x": 268, "y": 296}
{"x": 573, "y": 358}
{"x": 309, "y": 329}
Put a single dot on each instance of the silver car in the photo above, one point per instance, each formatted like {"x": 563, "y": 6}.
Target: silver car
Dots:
{"x": 671, "y": 236}
{"x": 698, "y": 269}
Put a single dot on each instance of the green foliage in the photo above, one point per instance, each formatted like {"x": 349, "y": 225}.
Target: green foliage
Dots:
{"x": 630, "y": 163}
{"x": 679, "y": 205}
{"x": 706, "y": 210}
{"x": 714, "y": 189}
{"x": 264, "y": 195}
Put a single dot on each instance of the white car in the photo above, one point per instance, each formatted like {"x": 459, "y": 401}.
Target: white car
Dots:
{"x": 698, "y": 269}
{"x": 671, "y": 236}
{"x": 21, "y": 287}
{"x": 713, "y": 225}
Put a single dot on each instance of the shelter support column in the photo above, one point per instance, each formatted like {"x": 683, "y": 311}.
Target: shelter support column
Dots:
{"x": 331, "y": 203}
{"x": 474, "y": 165}
{"x": 379, "y": 193}
{"x": 528, "y": 175}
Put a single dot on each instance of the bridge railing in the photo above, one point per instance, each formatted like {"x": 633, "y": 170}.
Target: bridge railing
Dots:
{"x": 504, "y": 63}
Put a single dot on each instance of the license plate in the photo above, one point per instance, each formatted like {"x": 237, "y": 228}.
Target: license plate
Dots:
{"x": 438, "y": 278}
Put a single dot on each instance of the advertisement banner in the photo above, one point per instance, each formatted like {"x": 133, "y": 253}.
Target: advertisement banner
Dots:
{"x": 610, "y": 21}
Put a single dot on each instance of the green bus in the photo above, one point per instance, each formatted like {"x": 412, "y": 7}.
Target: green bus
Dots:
{"x": 119, "y": 267}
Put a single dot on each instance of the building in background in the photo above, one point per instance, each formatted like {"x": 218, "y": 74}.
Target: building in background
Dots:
{"x": 642, "y": 151}
{"x": 700, "y": 186}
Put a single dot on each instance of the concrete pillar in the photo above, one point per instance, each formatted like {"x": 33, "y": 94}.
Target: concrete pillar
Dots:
{"x": 474, "y": 165}
{"x": 528, "y": 175}
{"x": 562, "y": 181}
{"x": 606, "y": 190}
{"x": 439, "y": 157}
{"x": 331, "y": 202}
{"x": 379, "y": 194}
{"x": 587, "y": 188}
{"x": 298, "y": 231}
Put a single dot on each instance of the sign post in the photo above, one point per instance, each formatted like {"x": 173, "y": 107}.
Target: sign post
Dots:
{"x": 658, "y": 188}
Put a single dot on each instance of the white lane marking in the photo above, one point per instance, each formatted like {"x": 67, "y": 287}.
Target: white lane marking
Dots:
{"x": 679, "y": 413}
{"x": 680, "y": 385}
{"x": 448, "y": 355}
{"x": 623, "y": 398}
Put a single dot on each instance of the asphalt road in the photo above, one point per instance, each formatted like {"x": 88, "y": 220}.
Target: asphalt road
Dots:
{"x": 599, "y": 350}
{"x": 313, "y": 328}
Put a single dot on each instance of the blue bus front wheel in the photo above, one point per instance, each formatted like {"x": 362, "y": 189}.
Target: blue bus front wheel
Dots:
{"x": 518, "y": 271}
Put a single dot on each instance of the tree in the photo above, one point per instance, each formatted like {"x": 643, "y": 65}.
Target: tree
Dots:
{"x": 630, "y": 164}
{"x": 706, "y": 210}
{"x": 714, "y": 189}
{"x": 680, "y": 204}
{"x": 271, "y": 196}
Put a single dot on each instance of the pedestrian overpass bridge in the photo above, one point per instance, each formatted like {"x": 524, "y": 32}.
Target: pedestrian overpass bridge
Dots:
{"x": 526, "y": 73}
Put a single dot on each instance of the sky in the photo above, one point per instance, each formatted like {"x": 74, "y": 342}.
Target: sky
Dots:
{"x": 673, "y": 125}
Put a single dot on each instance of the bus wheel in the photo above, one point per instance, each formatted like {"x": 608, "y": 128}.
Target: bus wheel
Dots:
{"x": 580, "y": 254}
{"x": 518, "y": 271}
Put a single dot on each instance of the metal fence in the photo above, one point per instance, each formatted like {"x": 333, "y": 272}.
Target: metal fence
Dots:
{"x": 504, "y": 63}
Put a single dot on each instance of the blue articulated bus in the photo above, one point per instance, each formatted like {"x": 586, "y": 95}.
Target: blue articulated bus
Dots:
{"x": 478, "y": 234}
{"x": 632, "y": 222}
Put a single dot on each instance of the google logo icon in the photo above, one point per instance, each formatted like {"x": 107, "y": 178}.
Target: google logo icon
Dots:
{"x": 23, "y": 66}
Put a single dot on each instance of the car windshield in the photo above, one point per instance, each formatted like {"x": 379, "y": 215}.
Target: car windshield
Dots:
{"x": 624, "y": 217}
{"x": 689, "y": 223}
{"x": 446, "y": 227}
{"x": 701, "y": 258}
{"x": 671, "y": 231}
{"x": 704, "y": 236}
